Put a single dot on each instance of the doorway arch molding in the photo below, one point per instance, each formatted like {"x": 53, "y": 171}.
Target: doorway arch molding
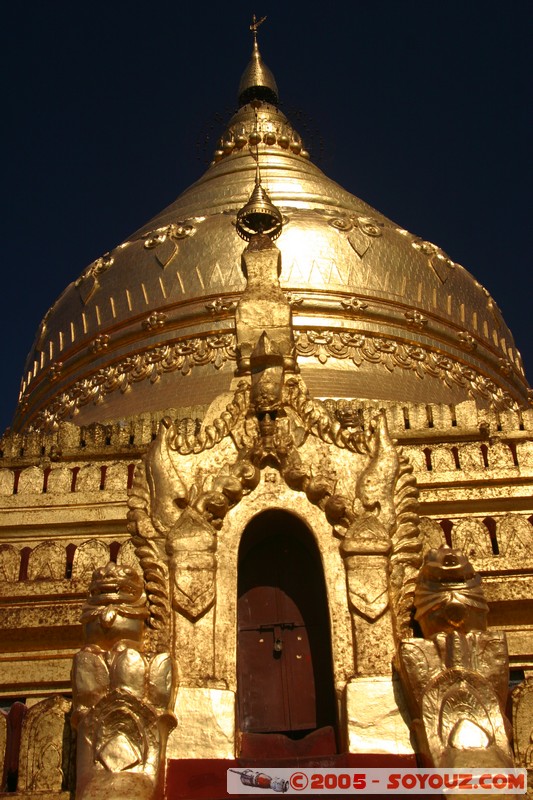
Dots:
{"x": 284, "y": 661}
{"x": 266, "y": 498}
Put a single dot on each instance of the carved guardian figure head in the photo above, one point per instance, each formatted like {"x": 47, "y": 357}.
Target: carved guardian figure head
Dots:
{"x": 448, "y": 595}
{"x": 115, "y": 607}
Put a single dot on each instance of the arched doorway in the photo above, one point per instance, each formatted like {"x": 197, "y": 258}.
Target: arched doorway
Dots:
{"x": 284, "y": 662}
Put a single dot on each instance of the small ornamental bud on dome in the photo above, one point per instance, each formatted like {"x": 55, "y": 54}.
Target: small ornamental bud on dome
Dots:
{"x": 296, "y": 146}
{"x": 228, "y": 145}
{"x": 240, "y": 139}
{"x": 254, "y": 138}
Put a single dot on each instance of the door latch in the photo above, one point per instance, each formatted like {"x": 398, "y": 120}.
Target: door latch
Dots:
{"x": 278, "y": 641}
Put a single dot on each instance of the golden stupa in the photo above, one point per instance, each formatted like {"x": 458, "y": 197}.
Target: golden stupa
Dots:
{"x": 378, "y": 311}
{"x": 286, "y": 446}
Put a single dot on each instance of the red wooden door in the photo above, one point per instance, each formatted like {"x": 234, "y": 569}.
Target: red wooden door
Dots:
{"x": 284, "y": 654}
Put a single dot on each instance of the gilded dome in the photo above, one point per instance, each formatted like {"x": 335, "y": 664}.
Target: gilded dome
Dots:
{"x": 377, "y": 312}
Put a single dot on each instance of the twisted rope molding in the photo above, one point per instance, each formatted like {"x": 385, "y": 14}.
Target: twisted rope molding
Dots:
{"x": 217, "y": 350}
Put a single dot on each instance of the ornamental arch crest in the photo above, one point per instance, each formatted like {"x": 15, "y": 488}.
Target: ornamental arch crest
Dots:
{"x": 186, "y": 499}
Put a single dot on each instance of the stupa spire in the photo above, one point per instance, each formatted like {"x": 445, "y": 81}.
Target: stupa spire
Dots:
{"x": 257, "y": 81}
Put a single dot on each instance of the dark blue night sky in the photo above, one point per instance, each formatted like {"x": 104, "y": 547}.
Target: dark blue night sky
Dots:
{"x": 110, "y": 110}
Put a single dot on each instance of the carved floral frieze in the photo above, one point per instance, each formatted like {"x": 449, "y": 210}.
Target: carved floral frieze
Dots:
{"x": 360, "y": 231}
{"x": 87, "y": 284}
{"x": 219, "y": 305}
{"x": 165, "y": 241}
{"x": 359, "y": 348}
{"x": 155, "y": 321}
{"x": 218, "y": 349}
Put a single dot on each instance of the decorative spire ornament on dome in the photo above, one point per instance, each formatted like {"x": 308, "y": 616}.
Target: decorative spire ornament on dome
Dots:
{"x": 257, "y": 81}
{"x": 259, "y": 215}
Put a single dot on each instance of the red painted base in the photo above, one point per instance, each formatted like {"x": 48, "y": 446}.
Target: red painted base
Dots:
{"x": 321, "y": 742}
{"x": 205, "y": 779}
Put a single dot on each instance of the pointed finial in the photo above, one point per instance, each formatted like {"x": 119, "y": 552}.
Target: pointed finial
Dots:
{"x": 254, "y": 27}
{"x": 257, "y": 82}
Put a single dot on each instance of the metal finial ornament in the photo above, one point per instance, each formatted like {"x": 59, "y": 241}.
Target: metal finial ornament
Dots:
{"x": 259, "y": 215}
{"x": 257, "y": 81}
{"x": 255, "y": 25}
